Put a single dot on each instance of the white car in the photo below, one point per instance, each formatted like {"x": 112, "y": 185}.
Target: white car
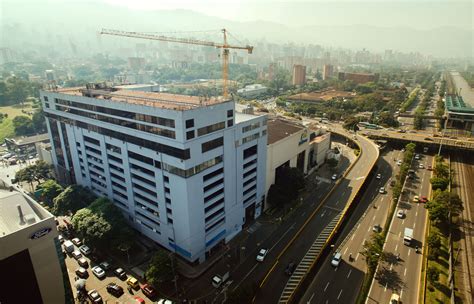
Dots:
{"x": 94, "y": 296}
{"x": 417, "y": 156}
{"x": 76, "y": 254}
{"x": 334, "y": 177}
{"x": 336, "y": 260}
{"x": 399, "y": 162}
{"x": 261, "y": 255}
{"x": 400, "y": 213}
{"x": 421, "y": 166}
{"x": 379, "y": 176}
{"x": 98, "y": 272}
{"x": 382, "y": 190}
{"x": 85, "y": 249}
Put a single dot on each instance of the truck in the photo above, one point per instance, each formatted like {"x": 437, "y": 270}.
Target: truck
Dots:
{"x": 218, "y": 280}
{"x": 408, "y": 236}
{"x": 68, "y": 246}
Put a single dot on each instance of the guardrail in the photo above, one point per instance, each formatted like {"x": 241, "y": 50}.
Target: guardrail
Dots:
{"x": 322, "y": 241}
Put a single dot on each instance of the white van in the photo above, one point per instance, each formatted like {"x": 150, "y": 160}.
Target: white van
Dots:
{"x": 68, "y": 246}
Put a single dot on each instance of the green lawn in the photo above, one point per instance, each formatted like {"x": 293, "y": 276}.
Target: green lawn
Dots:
{"x": 439, "y": 292}
{"x": 6, "y": 126}
{"x": 6, "y": 129}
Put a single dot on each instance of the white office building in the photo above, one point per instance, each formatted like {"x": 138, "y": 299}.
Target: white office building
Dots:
{"x": 186, "y": 172}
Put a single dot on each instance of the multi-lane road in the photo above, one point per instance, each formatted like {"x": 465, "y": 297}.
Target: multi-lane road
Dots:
{"x": 342, "y": 284}
{"x": 403, "y": 276}
{"x": 275, "y": 279}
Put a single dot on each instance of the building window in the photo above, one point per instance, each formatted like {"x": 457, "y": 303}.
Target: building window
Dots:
{"x": 230, "y": 123}
{"x": 211, "y": 128}
{"x": 113, "y": 148}
{"x": 189, "y": 123}
{"x": 230, "y": 113}
{"x": 212, "y": 144}
{"x": 250, "y": 172}
{"x": 45, "y": 98}
{"x": 250, "y": 138}
{"x": 212, "y": 174}
{"x": 213, "y": 195}
{"x": 214, "y": 184}
{"x": 115, "y": 159}
{"x": 194, "y": 170}
{"x": 46, "y": 104}
{"x": 215, "y": 204}
{"x": 167, "y": 200}
{"x": 190, "y": 134}
{"x": 141, "y": 158}
{"x": 92, "y": 141}
{"x": 250, "y": 151}
{"x": 251, "y": 127}
{"x": 214, "y": 215}
{"x": 218, "y": 223}
{"x": 143, "y": 170}
{"x": 249, "y": 190}
{"x": 166, "y": 179}
{"x": 167, "y": 190}
{"x": 264, "y": 132}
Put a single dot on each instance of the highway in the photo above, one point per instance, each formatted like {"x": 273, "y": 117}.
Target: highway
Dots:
{"x": 342, "y": 284}
{"x": 275, "y": 279}
{"x": 403, "y": 277}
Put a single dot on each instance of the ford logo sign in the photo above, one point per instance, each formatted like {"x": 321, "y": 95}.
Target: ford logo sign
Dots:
{"x": 40, "y": 233}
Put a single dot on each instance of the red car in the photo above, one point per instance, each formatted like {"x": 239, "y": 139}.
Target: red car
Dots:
{"x": 148, "y": 290}
{"x": 139, "y": 300}
{"x": 423, "y": 199}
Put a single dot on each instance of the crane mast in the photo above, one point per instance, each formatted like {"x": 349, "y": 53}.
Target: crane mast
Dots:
{"x": 224, "y": 46}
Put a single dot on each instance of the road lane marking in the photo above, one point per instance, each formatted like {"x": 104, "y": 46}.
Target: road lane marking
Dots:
{"x": 339, "y": 295}
{"x": 251, "y": 270}
{"x": 391, "y": 267}
{"x": 409, "y": 252}
{"x": 309, "y": 301}
{"x": 373, "y": 219}
{"x": 399, "y": 234}
{"x": 416, "y": 213}
{"x": 345, "y": 250}
{"x": 326, "y": 287}
{"x": 324, "y": 213}
{"x": 385, "y": 288}
{"x": 358, "y": 226}
{"x": 356, "y": 257}
{"x": 396, "y": 247}
{"x": 352, "y": 238}
{"x": 414, "y": 225}
{"x": 401, "y": 293}
{"x": 291, "y": 227}
{"x": 349, "y": 274}
{"x": 405, "y": 272}
{"x": 368, "y": 229}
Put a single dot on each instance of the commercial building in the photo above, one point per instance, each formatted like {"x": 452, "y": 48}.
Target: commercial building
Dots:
{"x": 31, "y": 259}
{"x": 328, "y": 71}
{"x": 291, "y": 144}
{"x": 26, "y": 145}
{"x": 299, "y": 74}
{"x": 458, "y": 113}
{"x": 252, "y": 91}
{"x": 187, "y": 172}
{"x": 358, "y": 78}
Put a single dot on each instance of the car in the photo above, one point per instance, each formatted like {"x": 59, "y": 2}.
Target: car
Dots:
{"x": 336, "y": 259}
{"x": 392, "y": 183}
{"x": 423, "y": 199}
{"x": 60, "y": 238}
{"x": 376, "y": 228}
{"x": 436, "y": 135}
{"x": 417, "y": 156}
{"x": 83, "y": 262}
{"x": 382, "y": 190}
{"x": 98, "y": 272}
{"x": 148, "y": 290}
{"x": 379, "y": 176}
{"x": 421, "y": 166}
{"x": 401, "y": 131}
{"x": 82, "y": 272}
{"x": 416, "y": 199}
{"x": 94, "y": 296}
{"x": 139, "y": 300}
{"x": 76, "y": 241}
{"x": 395, "y": 299}
{"x": 84, "y": 249}
{"x": 114, "y": 289}
{"x": 164, "y": 301}
{"x": 261, "y": 254}
{"x": 133, "y": 282}
{"x": 120, "y": 273}
{"x": 76, "y": 254}
{"x": 105, "y": 265}
{"x": 334, "y": 177}
{"x": 429, "y": 138}
{"x": 401, "y": 214}
{"x": 290, "y": 268}
{"x": 430, "y": 167}
{"x": 399, "y": 162}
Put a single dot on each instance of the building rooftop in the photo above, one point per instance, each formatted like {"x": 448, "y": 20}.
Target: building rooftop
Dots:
{"x": 10, "y": 204}
{"x": 151, "y": 99}
{"x": 30, "y": 139}
{"x": 279, "y": 128}
{"x": 455, "y": 103}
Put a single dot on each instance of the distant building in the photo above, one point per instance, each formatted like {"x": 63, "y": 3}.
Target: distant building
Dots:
{"x": 458, "y": 113}
{"x": 299, "y": 74}
{"x": 358, "y": 78}
{"x": 26, "y": 145}
{"x": 328, "y": 71}
{"x": 31, "y": 258}
{"x": 136, "y": 63}
{"x": 291, "y": 144}
{"x": 50, "y": 75}
{"x": 252, "y": 91}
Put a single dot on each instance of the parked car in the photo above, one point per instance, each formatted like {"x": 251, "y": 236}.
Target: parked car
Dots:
{"x": 417, "y": 156}
{"x": 98, "y": 272}
{"x": 401, "y": 213}
{"x": 395, "y": 299}
{"x": 164, "y": 301}
{"x": 83, "y": 262}
{"x": 430, "y": 167}
{"x": 85, "y": 249}
{"x": 148, "y": 290}
{"x": 261, "y": 254}
{"x": 82, "y": 272}
{"x": 114, "y": 289}
{"x": 376, "y": 228}
{"x": 105, "y": 265}
{"x": 76, "y": 241}
{"x": 382, "y": 190}
{"x": 120, "y": 273}
{"x": 423, "y": 199}
{"x": 379, "y": 176}
{"x": 60, "y": 238}
{"x": 334, "y": 177}
{"x": 76, "y": 254}
{"x": 139, "y": 300}
{"x": 416, "y": 199}
{"x": 399, "y": 162}
{"x": 421, "y": 166}
{"x": 336, "y": 259}
{"x": 94, "y": 296}
{"x": 290, "y": 268}
{"x": 132, "y": 282}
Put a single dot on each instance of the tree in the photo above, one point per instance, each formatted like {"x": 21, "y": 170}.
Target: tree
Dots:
{"x": 92, "y": 227}
{"x": 433, "y": 274}
{"x": 23, "y": 125}
{"x": 350, "y": 123}
{"x": 39, "y": 122}
{"x": 332, "y": 162}
{"x": 439, "y": 183}
{"x": 36, "y": 172}
{"x": 49, "y": 190}
{"x": 292, "y": 179}
{"x": 160, "y": 268}
{"x": 434, "y": 245}
{"x": 276, "y": 196}
{"x": 73, "y": 198}
{"x": 25, "y": 175}
{"x": 373, "y": 250}
{"x": 443, "y": 205}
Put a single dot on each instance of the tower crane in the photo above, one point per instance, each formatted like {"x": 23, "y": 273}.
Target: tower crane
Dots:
{"x": 225, "y": 46}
